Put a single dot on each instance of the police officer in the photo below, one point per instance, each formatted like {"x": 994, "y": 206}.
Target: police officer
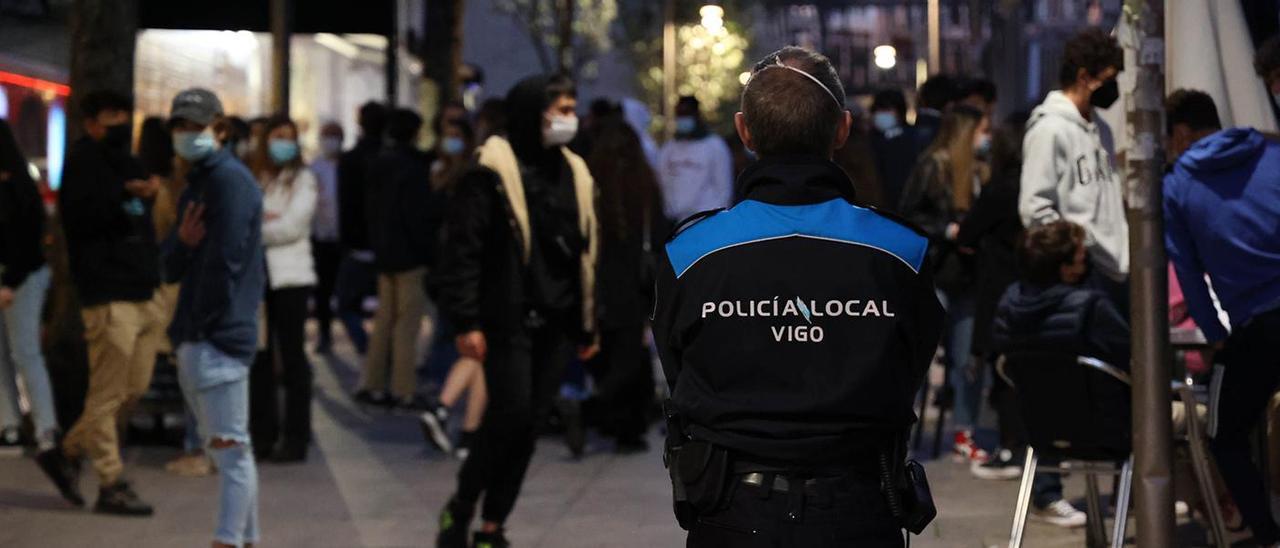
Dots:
{"x": 795, "y": 330}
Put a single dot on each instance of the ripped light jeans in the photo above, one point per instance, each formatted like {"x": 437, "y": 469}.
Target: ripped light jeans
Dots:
{"x": 217, "y": 387}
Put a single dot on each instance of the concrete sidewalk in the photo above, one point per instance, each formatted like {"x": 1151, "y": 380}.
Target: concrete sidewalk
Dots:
{"x": 370, "y": 482}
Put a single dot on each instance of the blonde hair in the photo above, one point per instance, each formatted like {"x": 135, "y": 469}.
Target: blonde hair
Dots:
{"x": 954, "y": 146}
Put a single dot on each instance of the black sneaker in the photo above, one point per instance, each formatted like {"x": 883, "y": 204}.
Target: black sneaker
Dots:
{"x": 10, "y": 442}
{"x": 412, "y": 404}
{"x": 575, "y": 431}
{"x": 289, "y": 453}
{"x": 119, "y": 499}
{"x": 490, "y": 540}
{"x": 631, "y": 445}
{"x": 1003, "y": 465}
{"x": 371, "y": 397}
{"x": 435, "y": 428}
{"x": 453, "y": 527}
{"x": 65, "y": 475}
{"x": 463, "y": 449}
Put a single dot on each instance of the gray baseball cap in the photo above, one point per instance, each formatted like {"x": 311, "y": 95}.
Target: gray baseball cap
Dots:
{"x": 198, "y": 105}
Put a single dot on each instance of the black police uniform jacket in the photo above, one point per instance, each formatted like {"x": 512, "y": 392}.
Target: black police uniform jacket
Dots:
{"x": 796, "y": 327}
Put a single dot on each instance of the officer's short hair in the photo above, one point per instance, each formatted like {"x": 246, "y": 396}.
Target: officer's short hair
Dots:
{"x": 788, "y": 113}
{"x": 1191, "y": 107}
{"x": 1046, "y": 248}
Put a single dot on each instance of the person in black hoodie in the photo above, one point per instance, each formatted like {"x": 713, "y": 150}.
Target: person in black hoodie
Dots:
{"x": 105, "y": 204}
{"x": 516, "y": 277}
{"x": 356, "y": 274}
{"x": 24, "y": 281}
{"x": 1051, "y": 309}
{"x": 403, "y": 219}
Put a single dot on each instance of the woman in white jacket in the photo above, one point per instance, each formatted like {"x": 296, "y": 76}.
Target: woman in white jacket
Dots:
{"x": 288, "y": 203}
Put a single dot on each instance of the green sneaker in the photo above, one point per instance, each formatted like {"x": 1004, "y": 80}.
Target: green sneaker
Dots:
{"x": 453, "y": 527}
{"x": 490, "y": 540}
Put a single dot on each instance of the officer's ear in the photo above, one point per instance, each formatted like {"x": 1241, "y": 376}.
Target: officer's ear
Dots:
{"x": 740, "y": 123}
{"x": 842, "y": 130}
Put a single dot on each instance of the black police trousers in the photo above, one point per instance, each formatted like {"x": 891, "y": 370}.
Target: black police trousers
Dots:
{"x": 855, "y": 515}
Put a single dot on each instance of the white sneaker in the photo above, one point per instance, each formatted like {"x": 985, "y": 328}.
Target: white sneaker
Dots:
{"x": 1060, "y": 513}
{"x": 434, "y": 425}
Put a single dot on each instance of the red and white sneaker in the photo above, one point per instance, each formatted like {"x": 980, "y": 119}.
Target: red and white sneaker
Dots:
{"x": 967, "y": 450}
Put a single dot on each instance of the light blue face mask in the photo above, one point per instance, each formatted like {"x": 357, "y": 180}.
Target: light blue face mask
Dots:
{"x": 452, "y": 146}
{"x": 194, "y": 146}
{"x": 885, "y": 121}
{"x": 282, "y": 151}
{"x": 983, "y": 147}
{"x": 686, "y": 125}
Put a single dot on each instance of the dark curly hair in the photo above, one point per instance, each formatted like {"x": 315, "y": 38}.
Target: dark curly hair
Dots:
{"x": 1045, "y": 249}
{"x": 1092, "y": 50}
{"x": 1268, "y": 58}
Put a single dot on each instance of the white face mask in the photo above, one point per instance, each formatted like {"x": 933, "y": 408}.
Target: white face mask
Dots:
{"x": 560, "y": 131}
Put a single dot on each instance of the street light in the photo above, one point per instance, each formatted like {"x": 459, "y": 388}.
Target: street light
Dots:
{"x": 885, "y": 57}
{"x": 712, "y": 17}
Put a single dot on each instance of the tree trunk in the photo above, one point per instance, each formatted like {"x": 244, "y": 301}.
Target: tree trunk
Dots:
{"x": 564, "y": 53}
{"x": 442, "y": 47}
{"x": 103, "y": 33}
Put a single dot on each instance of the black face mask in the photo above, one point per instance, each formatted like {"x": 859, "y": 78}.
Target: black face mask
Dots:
{"x": 1106, "y": 95}
{"x": 117, "y": 136}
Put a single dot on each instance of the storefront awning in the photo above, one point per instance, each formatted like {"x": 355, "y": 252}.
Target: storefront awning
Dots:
{"x": 310, "y": 16}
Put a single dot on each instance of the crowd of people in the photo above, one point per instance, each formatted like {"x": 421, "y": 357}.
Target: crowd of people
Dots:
{"x": 527, "y": 239}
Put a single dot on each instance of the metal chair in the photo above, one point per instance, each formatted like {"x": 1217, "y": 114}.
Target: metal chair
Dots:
{"x": 1108, "y": 452}
{"x": 1077, "y": 412}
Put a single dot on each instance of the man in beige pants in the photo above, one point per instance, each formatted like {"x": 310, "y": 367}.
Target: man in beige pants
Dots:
{"x": 105, "y": 204}
{"x": 403, "y": 218}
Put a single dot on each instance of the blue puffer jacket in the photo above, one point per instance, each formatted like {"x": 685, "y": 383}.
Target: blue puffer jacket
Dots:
{"x": 1222, "y": 218}
{"x": 1061, "y": 318}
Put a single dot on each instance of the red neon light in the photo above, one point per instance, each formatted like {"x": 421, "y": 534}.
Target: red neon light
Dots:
{"x": 34, "y": 83}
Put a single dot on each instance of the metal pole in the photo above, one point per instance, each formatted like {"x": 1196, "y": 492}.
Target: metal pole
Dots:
{"x": 392, "y": 65}
{"x": 1152, "y": 432}
{"x": 669, "y": 68}
{"x": 935, "y": 38}
{"x": 281, "y": 30}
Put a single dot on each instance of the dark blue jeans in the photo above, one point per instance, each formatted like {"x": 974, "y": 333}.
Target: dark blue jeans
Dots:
{"x": 357, "y": 279}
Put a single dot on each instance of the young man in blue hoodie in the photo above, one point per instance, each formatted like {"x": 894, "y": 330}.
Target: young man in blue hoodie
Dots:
{"x": 216, "y": 252}
{"x": 1222, "y": 215}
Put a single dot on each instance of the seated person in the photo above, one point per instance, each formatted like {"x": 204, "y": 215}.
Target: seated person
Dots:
{"x": 1051, "y": 309}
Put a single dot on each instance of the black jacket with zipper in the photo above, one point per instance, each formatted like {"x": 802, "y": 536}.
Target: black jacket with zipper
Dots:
{"x": 479, "y": 276}
{"x": 110, "y": 239}
{"x": 796, "y": 327}
{"x": 21, "y": 228}
{"x": 403, "y": 212}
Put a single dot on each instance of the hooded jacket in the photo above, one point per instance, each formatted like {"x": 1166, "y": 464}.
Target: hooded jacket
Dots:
{"x": 403, "y": 212}
{"x": 486, "y": 244}
{"x": 796, "y": 327}
{"x": 1067, "y": 173}
{"x": 1061, "y": 318}
{"x": 111, "y": 242}
{"x": 1222, "y": 218}
{"x": 696, "y": 174}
